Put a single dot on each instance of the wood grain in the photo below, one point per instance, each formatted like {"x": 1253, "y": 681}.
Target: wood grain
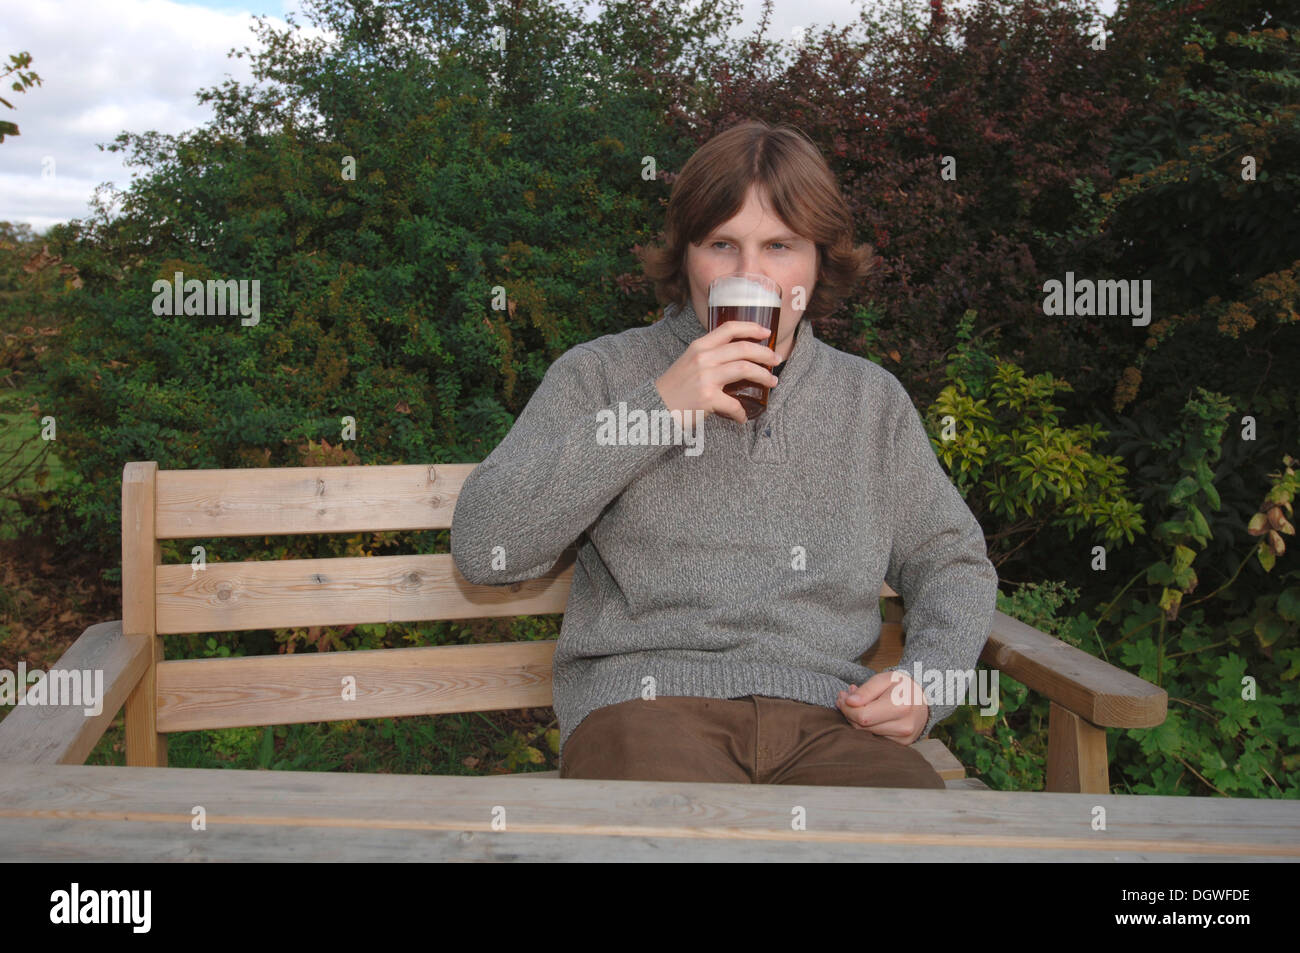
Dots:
{"x": 141, "y": 554}
{"x": 283, "y": 593}
{"x": 54, "y": 734}
{"x": 289, "y": 689}
{"x": 1088, "y": 686}
{"x": 162, "y": 800}
{"x": 270, "y": 501}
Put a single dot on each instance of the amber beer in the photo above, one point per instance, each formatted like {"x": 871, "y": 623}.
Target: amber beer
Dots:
{"x": 746, "y": 298}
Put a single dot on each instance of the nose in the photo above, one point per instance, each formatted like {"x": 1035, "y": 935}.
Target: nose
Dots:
{"x": 749, "y": 263}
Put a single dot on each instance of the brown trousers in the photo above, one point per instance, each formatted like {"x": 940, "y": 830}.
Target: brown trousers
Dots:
{"x": 749, "y": 740}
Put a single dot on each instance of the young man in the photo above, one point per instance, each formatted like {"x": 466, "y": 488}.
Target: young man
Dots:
{"x": 721, "y": 598}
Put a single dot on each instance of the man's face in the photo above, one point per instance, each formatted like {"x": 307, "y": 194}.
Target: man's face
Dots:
{"x": 754, "y": 240}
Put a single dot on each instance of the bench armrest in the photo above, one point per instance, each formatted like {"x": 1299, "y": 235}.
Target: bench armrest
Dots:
{"x": 65, "y": 734}
{"x": 1095, "y": 690}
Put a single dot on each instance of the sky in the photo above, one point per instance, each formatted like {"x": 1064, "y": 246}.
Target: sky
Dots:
{"x": 109, "y": 66}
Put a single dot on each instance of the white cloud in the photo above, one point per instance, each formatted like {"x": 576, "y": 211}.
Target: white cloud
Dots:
{"x": 124, "y": 65}
{"x": 95, "y": 119}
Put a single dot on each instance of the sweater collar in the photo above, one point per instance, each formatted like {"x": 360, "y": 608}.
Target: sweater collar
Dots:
{"x": 686, "y": 325}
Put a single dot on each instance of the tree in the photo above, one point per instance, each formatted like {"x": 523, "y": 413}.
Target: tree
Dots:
{"x": 18, "y": 63}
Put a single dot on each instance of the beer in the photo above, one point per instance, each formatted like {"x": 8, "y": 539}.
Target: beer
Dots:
{"x": 746, "y": 298}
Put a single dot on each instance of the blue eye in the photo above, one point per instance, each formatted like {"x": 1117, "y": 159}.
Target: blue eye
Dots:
{"x": 721, "y": 242}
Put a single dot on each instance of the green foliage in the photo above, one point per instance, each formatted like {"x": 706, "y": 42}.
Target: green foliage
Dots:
{"x": 25, "y": 79}
{"x": 1232, "y": 722}
{"x": 971, "y": 362}
{"x": 1201, "y": 435}
{"x": 868, "y": 317}
{"x": 519, "y": 750}
{"x": 1225, "y": 733}
{"x": 1204, "y": 178}
{"x": 530, "y": 628}
{"x": 1013, "y": 462}
{"x": 232, "y": 744}
{"x": 1214, "y": 154}
{"x": 1234, "y": 735}
{"x": 1231, "y": 729}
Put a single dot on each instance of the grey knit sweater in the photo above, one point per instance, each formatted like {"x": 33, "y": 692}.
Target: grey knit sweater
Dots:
{"x": 750, "y": 563}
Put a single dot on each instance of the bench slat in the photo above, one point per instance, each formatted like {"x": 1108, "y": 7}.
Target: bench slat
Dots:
{"x": 60, "y": 841}
{"x": 270, "y": 501}
{"x": 89, "y": 841}
{"x": 326, "y": 801}
{"x": 287, "y": 593}
{"x": 198, "y": 694}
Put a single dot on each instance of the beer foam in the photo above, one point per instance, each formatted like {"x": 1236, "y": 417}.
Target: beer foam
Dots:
{"x": 742, "y": 293}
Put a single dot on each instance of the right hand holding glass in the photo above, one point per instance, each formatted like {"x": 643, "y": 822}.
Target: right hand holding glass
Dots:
{"x": 729, "y": 353}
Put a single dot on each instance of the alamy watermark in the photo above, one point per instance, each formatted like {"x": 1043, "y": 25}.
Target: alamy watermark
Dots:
{"x": 60, "y": 687}
{"x": 75, "y": 905}
{"x": 947, "y": 686}
{"x": 1090, "y": 298}
{"x": 211, "y": 297}
{"x": 653, "y": 428}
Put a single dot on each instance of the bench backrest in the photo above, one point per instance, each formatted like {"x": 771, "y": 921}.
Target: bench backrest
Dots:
{"x": 161, "y": 600}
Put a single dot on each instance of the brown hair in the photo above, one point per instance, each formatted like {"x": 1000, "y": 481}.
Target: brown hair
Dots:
{"x": 801, "y": 189}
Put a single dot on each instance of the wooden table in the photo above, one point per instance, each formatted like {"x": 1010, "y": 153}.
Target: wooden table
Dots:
{"x": 91, "y": 813}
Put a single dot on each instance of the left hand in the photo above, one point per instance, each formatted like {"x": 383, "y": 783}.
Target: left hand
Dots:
{"x": 871, "y": 706}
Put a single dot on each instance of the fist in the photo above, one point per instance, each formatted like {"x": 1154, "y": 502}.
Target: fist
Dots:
{"x": 871, "y": 705}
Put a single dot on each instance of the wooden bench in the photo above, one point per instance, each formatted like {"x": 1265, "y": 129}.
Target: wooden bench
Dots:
{"x": 1087, "y": 695}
